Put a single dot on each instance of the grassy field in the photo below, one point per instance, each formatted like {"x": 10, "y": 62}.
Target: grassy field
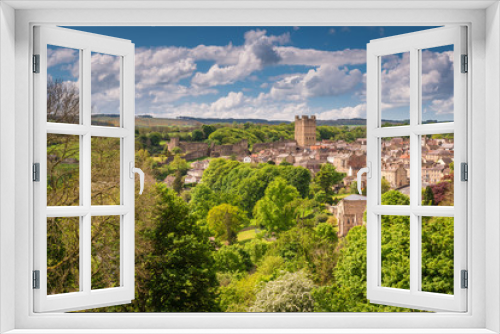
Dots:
{"x": 147, "y": 122}
{"x": 247, "y": 234}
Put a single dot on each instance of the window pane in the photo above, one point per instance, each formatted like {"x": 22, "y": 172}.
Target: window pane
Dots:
{"x": 105, "y": 171}
{"x": 437, "y": 84}
{"x": 63, "y": 94}
{"x": 105, "y": 252}
{"x": 395, "y": 89}
{"x": 395, "y": 170}
{"x": 437, "y": 254}
{"x": 63, "y": 170}
{"x": 438, "y": 170}
{"x": 106, "y": 95}
{"x": 395, "y": 252}
{"x": 63, "y": 255}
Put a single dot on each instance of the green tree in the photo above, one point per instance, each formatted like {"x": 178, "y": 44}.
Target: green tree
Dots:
{"x": 385, "y": 185}
{"x": 232, "y": 258}
{"x": 155, "y": 138}
{"x": 183, "y": 278}
{"x": 179, "y": 164}
{"x": 225, "y": 221}
{"x": 327, "y": 177}
{"x": 177, "y": 184}
{"x": 274, "y": 211}
{"x": 207, "y": 130}
{"x": 197, "y": 135}
{"x": 427, "y": 196}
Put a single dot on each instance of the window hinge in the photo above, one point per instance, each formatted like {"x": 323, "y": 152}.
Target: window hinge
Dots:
{"x": 465, "y": 64}
{"x": 36, "y": 172}
{"x": 36, "y": 63}
{"x": 36, "y": 279}
{"x": 464, "y": 171}
{"x": 465, "y": 279}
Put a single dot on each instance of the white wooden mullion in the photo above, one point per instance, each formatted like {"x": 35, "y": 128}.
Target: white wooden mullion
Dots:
{"x": 78, "y": 211}
{"x": 392, "y": 131}
{"x": 86, "y": 164}
{"x": 127, "y": 234}
{"x": 101, "y": 131}
{"x": 373, "y": 239}
{"x": 406, "y": 210}
{"x": 95, "y": 131}
{"x": 414, "y": 170}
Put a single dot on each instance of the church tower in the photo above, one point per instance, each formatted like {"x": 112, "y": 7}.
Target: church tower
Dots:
{"x": 305, "y": 130}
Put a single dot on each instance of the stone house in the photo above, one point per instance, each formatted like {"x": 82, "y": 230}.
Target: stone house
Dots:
{"x": 350, "y": 213}
{"x": 397, "y": 177}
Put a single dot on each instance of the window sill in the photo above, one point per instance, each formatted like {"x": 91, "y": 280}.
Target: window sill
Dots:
{"x": 251, "y": 331}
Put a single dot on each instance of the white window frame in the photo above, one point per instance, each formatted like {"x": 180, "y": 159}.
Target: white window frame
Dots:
{"x": 483, "y": 102}
{"x": 124, "y": 50}
{"x": 413, "y": 43}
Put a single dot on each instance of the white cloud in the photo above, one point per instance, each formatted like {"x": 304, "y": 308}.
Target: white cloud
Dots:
{"x": 358, "y": 111}
{"x": 440, "y": 107}
{"x": 257, "y": 52}
{"x": 232, "y": 100}
{"x": 60, "y": 56}
{"x": 326, "y": 80}
{"x": 310, "y": 57}
{"x": 437, "y": 79}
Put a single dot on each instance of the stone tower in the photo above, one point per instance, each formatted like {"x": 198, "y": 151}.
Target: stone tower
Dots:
{"x": 305, "y": 130}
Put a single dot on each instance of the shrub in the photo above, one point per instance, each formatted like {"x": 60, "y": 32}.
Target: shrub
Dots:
{"x": 289, "y": 293}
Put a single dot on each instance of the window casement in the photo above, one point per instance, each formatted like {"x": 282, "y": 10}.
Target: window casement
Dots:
{"x": 73, "y": 203}
{"x": 411, "y": 49}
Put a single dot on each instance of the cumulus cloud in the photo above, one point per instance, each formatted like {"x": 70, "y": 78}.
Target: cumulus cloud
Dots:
{"x": 59, "y": 56}
{"x": 440, "y": 107}
{"x": 257, "y": 52}
{"x": 326, "y": 80}
{"x": 358, "y": 111}
{"x": 237, "y": 105}
{"x": 437, "y": 81}
{"x": 105, "y": 83}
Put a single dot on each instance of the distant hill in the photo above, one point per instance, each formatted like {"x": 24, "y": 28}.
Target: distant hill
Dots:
{"x": 148, "y": 120}
{"x": 232, "y": 120}
{"x": 346, "y": 121}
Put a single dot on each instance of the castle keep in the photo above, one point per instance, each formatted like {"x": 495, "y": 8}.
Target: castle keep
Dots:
{"x": 305, "y": 131}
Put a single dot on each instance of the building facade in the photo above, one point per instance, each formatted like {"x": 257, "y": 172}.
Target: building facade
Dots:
{"x": 349, "y": 212}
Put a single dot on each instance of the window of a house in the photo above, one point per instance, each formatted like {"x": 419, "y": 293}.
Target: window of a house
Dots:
{"x": 214, "y": 226}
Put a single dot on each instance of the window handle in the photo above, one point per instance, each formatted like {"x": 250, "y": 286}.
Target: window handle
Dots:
{"x": 368, "y": 171}
{"x": 134, "y": 170}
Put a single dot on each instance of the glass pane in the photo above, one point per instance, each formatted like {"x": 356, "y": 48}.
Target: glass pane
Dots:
{"x": 63, "y": 255}
{"x": 437, "y": 254}
{"x": 63, "y": 94}
{"x": 395, "y": 170}
{"x": 395, "y": 89}
{"x": 105, "y": 252}
{"x": 63, "y": 170}
{"x": 395, "y": 251}
{"x": 437, "y": 84}
{"x": 105, "y": 171}
{"x": 105, "y": 88}
{"x": 438, "y": 170}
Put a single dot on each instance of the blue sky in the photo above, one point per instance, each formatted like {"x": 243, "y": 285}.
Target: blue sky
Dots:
{"x": 258, "y": 72}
